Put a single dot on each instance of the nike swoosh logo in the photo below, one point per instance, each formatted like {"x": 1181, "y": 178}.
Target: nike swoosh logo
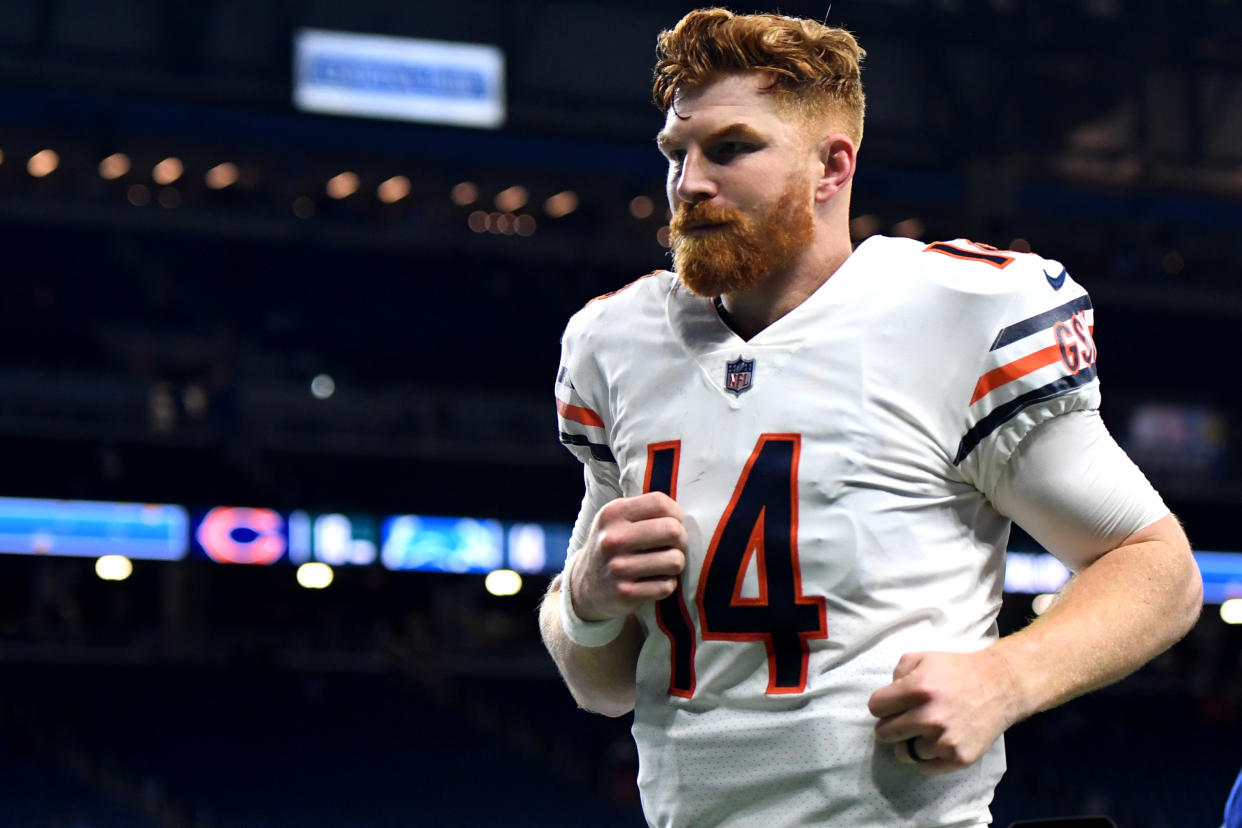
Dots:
{"x": 1056, "y": 281}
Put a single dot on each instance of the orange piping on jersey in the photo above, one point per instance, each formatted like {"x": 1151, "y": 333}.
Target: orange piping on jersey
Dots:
{"x": 799, "y": 597}
{"x": 986, "y": 254}
{"x": 624, "y": 287}
{"x": 1017, "y": 369}
{"x": 668, "y": 445}
{"x": 673, "y": 690}
{"x": 678, "y": 595}
{"x": 578, "y": 414}
{"x": 796, "y": 566}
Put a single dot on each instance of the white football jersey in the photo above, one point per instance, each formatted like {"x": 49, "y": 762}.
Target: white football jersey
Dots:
{"x": 834, "y": 473}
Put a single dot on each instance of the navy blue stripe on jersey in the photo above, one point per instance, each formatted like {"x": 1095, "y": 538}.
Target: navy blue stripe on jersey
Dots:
{"x": 1039, "y": 322}
{"x": 563, "y": 377}
{"x": 598, "y": 450}
{"x": 1003, "y": 413}
{"x": 997, "y": 259}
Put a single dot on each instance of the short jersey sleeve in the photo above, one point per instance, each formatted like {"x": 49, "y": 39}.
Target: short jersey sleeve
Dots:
{"x": 583, "y": 429}
{"x": 1037, "y": 361}
{"x": 581, "y": 416}
{"x": 1074, "y": 490}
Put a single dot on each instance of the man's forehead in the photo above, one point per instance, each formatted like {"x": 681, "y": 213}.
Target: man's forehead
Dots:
{"x": 727, "y": 99}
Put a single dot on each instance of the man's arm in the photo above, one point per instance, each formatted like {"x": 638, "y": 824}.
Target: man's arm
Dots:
{"x": 1124, "y": 607}
{"x": 1118, "y": 613}
{"x": 634, "y": 553}
{"x": 601, "y": 679}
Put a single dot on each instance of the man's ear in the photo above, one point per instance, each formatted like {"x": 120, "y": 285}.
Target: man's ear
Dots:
{"x": 836, "y": 157}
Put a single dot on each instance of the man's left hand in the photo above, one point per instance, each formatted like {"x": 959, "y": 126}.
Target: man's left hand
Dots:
{"x": 952, "y": 705}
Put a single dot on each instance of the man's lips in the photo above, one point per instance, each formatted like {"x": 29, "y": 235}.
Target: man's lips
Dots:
{"x": 702, "y": 228}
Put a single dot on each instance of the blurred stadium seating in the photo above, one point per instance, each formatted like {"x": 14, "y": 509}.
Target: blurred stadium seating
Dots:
{"x": 160, "y": 334}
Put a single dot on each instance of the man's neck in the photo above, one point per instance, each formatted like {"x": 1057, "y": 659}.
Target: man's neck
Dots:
{"x": 749, "y": 312}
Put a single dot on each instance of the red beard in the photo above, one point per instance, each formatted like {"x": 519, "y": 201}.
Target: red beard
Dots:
{"x": 743, "y": 252}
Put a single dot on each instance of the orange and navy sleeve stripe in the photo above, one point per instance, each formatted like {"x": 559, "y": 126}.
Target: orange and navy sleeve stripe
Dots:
{"x": 1044, "y": 356}
{"x": 578, "y": 414}
{"x": 581, "y": 427}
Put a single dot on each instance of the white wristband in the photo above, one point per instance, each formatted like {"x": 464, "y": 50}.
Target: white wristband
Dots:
{"x": 586, "y": 633}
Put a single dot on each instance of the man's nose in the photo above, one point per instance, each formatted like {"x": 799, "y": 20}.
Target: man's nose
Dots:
{"x": 695, "y": 182}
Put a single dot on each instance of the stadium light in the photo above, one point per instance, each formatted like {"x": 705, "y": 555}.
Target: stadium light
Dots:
{"x": 167, "y": 171}
{"x": 864, "y": 227}
{"x": 1040, "y": 603}
{"x": 43, "y": 163}
{"x": 561, "y": 204}
{"x": 322, "y": 386}
{"x": 1231, "y": 611}
{"x": 342, "y": 185}
{"x": 222, "y": 175}
{"x": 641, "y": 207}
{"x": 512, "y": 198}
{"x": 1020, "y": 245}
{"x": 114, "y": 166}
{"x": 911, "y": 228}
{"x": 393, "y": 189}
{"x": 501, "y": 582}
{"x": 314, "y": 575}
{"x": 501, "y": 223}
{"x": 465, "y": 193}
{"x": 113, "y": 567}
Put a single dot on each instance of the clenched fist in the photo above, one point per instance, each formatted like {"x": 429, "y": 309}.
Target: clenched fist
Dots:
{"x": 634, "y": 554}
{"x": 944, "y": 710}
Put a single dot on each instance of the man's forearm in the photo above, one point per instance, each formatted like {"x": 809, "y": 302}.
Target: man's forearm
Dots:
{"x": 601, "y": 679}
{"x": 1128, "y": 606}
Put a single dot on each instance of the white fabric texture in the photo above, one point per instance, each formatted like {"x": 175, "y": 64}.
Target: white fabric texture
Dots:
{"x": 837, "y": 472}
{"x": 1074, "y": 490}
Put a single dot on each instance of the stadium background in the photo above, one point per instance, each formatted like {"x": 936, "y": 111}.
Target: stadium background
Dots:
{"x": 163, "y": 324}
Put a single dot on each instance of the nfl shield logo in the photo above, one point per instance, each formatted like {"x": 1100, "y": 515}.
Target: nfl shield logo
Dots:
{"x": 738, "y": 375}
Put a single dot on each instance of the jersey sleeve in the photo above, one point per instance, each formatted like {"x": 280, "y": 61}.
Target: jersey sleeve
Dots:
{"x": 580, "y": 419}
{"x": 1074, "y": 490}
{"x": 1038, "y": 362}
{"x": 584, "y": 430}
{"x": 601, "y": 486}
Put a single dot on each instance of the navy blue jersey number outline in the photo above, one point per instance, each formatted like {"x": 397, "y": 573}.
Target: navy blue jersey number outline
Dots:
{"x": 760, "y": 524}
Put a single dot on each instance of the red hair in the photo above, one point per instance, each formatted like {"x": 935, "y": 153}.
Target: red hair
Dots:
{"x": 814, "y": 69}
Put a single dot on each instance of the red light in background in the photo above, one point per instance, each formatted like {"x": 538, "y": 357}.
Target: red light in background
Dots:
{"x": 239, "y": 535}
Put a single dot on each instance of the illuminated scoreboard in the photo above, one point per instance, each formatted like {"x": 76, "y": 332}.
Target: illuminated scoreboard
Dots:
{"x": 249, "y": 535}
{"x": 536, "y": 547}
{"x": 259, "y": 536}
{"x": 445, "y": 544}
{"x": 151, "y": 531}
{"x": 333, "y": 538}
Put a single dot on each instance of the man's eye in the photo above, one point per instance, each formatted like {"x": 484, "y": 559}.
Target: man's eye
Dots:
{"x": 729, "y": 149}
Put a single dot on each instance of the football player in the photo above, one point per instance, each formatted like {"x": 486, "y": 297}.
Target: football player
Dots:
{"x": 801, "y": 463}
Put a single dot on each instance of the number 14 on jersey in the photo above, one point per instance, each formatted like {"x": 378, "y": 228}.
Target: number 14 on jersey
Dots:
{"x": 759, "y": 528}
